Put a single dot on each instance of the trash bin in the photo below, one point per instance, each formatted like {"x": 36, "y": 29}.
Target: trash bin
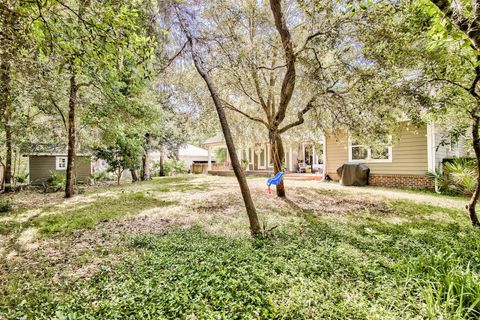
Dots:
{"x": 353, "y": 174}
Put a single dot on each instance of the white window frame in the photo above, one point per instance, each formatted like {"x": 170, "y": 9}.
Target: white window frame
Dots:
{"x": 58, "y": 161}
{"x": 369, "y": 153}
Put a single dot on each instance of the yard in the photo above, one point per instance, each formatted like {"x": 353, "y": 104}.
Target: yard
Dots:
{"x": 179, "y": 247}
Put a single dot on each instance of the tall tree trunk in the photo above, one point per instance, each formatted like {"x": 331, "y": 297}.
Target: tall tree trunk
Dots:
{"x": 4, "y": 86}
{"x": 134, "y": 174}
{"x": 161, "y": 172}
{"x": 72, "y": 136}
{"x": 146, "y": 158}
{"x": 9, "y": 154}
{"x": 476, "y": 147}
{"x": 119, "y": 175}
{"x": 5, "y": 101}
{"x": 278, "y": 154}
{"x": 237, "y": 168}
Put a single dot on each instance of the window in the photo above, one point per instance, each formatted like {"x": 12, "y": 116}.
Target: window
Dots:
{"x": 362, "y": 153}
{"x": 61, "y": 163}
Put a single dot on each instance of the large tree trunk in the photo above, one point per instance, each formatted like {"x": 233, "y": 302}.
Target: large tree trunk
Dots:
{"x": 134, "y": 174}
{"x": 4, "y": 86}
{"x": 119, "y": 175}
{"x": 9, "y": 154}
{"x": 473, "y": 200}
{"x": 72, "y": 137}
{"x": 146, "y": 158}
{"x": 5, "y": 118}
{"x": 237, "y": 168}
{"x": 161, "y": 172}
{"x": 278, "y": 154}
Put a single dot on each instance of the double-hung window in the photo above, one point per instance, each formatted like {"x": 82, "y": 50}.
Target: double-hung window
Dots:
{"x": 61, "y": 163}
{"x": 381, "y": 152}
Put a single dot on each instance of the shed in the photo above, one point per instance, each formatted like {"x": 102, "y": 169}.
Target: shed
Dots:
{"x": 41, "y": 166}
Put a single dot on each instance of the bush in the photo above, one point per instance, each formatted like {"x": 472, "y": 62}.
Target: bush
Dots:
{"x": 244, "y": 163}
{"x": 5, "y": 206}
{"x": 459, "y": 176}
{"x": 170, "y": 167}
{"x": 55, "y": 183}
{"x": 21, "y": 178}
{"x": 100, "y": 176}
{"x": 173, "y": 166}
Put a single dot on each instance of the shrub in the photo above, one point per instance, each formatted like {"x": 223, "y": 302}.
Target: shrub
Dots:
{"x": 5, "y": 206}
{"x": 459, "y": 176}
{"x": 244, "y": 163}
{"x": 99, "y": 176}
{"x": 55, "y": 183}
{"x": 21, "y": 178}
{"x": 174, "y": 166}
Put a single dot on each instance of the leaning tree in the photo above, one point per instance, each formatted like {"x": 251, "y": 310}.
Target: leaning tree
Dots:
{"x": 276, "y": 62}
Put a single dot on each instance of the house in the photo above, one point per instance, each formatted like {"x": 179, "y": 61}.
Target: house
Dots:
{"x": 302, "y": 157}
{"x": 187, "y": 153}
{"x": 42, "y": 165}
{"x": 404, "y": 162}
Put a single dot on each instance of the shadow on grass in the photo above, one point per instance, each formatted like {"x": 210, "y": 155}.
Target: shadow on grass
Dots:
{"x": 363, "y": 266}
{"x": 64, "y": 221}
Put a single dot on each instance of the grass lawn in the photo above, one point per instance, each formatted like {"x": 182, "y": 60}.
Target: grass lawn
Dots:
{"x": 180, "y": 248}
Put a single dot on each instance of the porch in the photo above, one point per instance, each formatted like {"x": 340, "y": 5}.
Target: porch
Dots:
{"x": 263, "y": 173}
{"x": 301, "y": 160}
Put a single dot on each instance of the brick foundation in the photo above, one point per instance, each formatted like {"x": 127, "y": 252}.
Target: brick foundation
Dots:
{"x": 401, "y": 181}
{"x": 396, "y": 181}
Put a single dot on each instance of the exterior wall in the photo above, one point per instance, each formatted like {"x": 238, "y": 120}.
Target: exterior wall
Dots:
{"x": 41, "y": 168}
{"x": 401, "y": 181}
{"x": 441, "y": 151}
{"x": 409, "y": 155}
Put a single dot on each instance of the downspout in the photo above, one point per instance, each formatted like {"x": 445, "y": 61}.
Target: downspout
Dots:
{"x": 324, "y": 158}
{"x": 431, "y": 151}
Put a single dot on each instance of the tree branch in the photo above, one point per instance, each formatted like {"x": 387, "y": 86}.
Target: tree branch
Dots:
{"x": 233, "y": 108}
{"x": 288, "y": 83}
{"x": 300, "y": 115}
{"x": 54, "y": 103}
{"x": 307, "y": 40}
{"x": 471, "y": 28}
{"x": 179, "y": 52}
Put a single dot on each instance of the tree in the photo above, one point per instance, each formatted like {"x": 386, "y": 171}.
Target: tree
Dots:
{"x": 80, "y": 37}
{"x": 240, "y": 175}
{"x": 428, "y": 55}
{"x": 14, "y": 19}
{"x": 123, "y": 153}
{"x": 467, "y": 20}
{"x": 265, "y": 57}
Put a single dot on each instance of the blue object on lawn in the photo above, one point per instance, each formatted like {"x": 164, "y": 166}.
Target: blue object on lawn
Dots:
{"x": 275, "y": 180}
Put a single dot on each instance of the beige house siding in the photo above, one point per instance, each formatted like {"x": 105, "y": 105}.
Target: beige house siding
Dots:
{"x": 409, "y": 154}
{"x": 336, "y": 152}
{"x": 41, "y": 168}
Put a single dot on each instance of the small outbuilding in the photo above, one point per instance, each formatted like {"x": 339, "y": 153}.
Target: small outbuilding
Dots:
{"x": 41, "y": 166}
